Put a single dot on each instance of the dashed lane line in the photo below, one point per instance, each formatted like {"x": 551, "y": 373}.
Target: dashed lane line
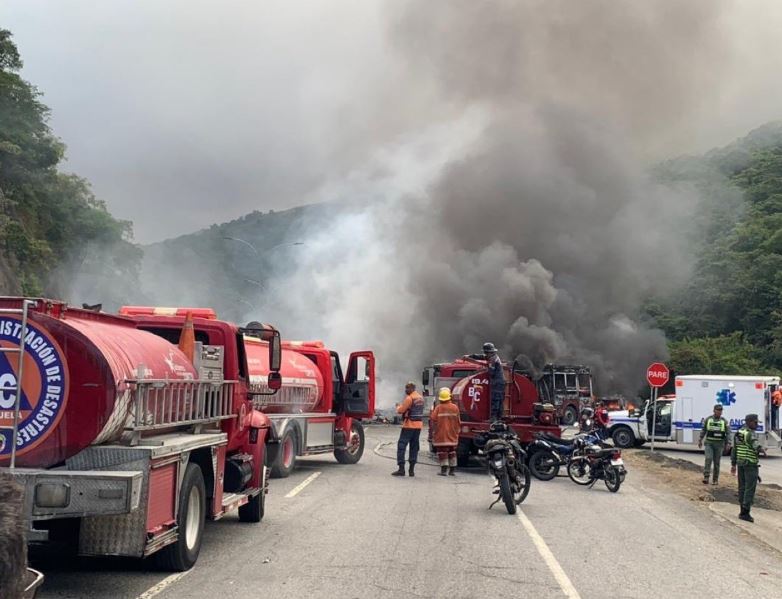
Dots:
{"x": 548, "y": 557}
{"x": 163, "y": 585}
{"x": 300, "y": 487}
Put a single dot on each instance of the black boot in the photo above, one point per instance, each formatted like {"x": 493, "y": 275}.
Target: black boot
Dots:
{"x": 400, "y": 471}
{"x": 411, "y": 471}
{"x": 744, "y": 515}
{"x": 443, "y": 471}
{"x": 452, "y": 471}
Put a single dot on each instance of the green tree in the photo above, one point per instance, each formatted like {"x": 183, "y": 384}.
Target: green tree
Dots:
{"x": 49, "y": 220}
{"x": 725, "y": 354}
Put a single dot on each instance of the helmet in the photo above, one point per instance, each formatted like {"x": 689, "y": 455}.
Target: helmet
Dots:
{"x": 488, "y": 348}
{"x": 587, "y": 413}
{"x": 444, "y": 394}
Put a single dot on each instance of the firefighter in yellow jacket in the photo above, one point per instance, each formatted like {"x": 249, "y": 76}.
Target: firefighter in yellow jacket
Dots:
{"x": 447, "y": 422}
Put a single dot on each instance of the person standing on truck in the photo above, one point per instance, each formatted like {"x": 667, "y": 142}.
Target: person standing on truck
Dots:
{"x": 745, "y": 456}
{"x": 412, "y": 411}
{"x": 496, "y": 380}
{"x": 447, "y": 423}
{"x": 715, "y": 431}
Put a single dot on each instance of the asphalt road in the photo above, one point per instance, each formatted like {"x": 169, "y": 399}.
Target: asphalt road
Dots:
{"x": 356, "y": 532}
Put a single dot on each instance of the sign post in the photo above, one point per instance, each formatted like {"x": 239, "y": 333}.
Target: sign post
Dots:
{"x": 657, "y": 376}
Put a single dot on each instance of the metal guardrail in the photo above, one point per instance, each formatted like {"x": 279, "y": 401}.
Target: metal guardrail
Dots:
{"x": 160, "y": 403}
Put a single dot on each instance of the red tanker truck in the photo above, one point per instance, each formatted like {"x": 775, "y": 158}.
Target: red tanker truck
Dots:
{"x": 123, "y": 442}
{"x": 526, "y": 408}
{"x": 318, "y": 410}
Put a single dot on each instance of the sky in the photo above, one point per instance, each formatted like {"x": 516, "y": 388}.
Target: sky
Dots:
{"x": 185, "y": 113}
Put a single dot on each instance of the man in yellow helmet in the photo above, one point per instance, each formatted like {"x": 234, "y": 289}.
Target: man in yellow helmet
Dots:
{"x": 447, "y": 423}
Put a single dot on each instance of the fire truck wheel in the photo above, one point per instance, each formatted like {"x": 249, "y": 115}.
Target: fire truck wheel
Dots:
{"x": 182, "y": 554}
{"x": 286, "y": 455}
{"x": 623, "y": 437}
{"x": 253, "y": 510}
{"x": 355, "y": 449}
{"x": 569, "y": 416}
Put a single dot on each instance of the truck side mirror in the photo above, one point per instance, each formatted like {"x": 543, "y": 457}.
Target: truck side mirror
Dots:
{"x": 275, "y": 353}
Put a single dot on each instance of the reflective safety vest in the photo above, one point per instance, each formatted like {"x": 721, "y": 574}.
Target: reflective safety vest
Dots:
{"x": 745, "y": 447}
{"x": 716, "y": 430}
{"x": 416, "y": 411}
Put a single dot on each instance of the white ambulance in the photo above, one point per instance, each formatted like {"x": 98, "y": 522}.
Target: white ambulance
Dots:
{"x": 680, "y": 418}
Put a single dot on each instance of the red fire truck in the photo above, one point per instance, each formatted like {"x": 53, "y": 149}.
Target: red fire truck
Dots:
{"x": 526, "y": 409}
{"x": 123, "y": 441}
{"x": 318, "y": 410}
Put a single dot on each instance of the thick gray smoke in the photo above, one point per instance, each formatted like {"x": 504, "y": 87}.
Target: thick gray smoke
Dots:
{"x": 542, "y": 232}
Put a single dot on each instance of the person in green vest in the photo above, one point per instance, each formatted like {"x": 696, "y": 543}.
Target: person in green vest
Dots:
{"x": 714, "y": 431}
{"x": 745, "y": 455}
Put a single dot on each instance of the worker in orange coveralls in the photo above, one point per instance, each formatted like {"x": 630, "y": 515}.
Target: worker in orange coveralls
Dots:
{"x": 776, "y": 401}
{"x": 447, "y": 422}
{"x": 412, "y": 410}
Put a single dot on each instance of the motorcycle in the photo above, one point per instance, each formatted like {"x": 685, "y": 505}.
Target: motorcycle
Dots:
{"x": 548, "y": 453}
{"x": 506, "y": 461}
{"x": 598, "y": 463}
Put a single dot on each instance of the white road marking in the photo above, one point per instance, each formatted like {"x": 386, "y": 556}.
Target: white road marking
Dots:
{"x": 548, "y": 557}
{"x": 163, "y": 585}
{"x": 298, "y": 489}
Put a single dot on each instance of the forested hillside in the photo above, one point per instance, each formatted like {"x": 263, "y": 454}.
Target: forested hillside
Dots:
{"x": 51, "y": 225}
{"x": 728, "y": 318}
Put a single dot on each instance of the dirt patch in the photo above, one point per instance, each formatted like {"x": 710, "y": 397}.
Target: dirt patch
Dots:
{"x": 684, "y": 478}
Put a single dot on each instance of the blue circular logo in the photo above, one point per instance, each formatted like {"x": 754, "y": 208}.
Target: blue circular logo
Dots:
{"x": 42, "y": 392}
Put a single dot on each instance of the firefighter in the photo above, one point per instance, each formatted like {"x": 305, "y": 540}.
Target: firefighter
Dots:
{"x": 447, "y": 423}
{"x": 496, "y": 380}
{"x": 745, "y": 455}
{"x": 412, "y": 411}
{"x": 776, "y": 402}
{"x": 715, "y": 430}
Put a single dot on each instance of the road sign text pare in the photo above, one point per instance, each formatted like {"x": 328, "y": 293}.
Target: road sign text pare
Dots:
{"x": 657, "y": 374}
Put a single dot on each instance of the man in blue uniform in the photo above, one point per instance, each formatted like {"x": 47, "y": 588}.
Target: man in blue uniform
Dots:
{"x": 496, "y": 380}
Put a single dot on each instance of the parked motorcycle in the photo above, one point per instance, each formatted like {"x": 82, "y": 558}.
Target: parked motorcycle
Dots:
{"x": 598, "y": 463}
{"x": 506, "y": 461}
{"x": 548, "y": 453}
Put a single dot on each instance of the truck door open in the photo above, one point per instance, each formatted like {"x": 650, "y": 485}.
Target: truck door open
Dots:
{"x": 358, "y": 392}
{"x": 662, "y": 423}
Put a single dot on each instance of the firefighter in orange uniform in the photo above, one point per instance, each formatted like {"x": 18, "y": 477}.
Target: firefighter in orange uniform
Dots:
{"x": 447, "y": 423}
{"x": 776, "y": 401}
{"x": 412, "y": 410}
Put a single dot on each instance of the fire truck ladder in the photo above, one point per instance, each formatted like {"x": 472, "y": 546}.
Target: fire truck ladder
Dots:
{"x": 17, "y": 388}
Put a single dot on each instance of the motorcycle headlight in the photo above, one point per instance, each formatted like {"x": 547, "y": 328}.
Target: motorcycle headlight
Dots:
{"x": 498, "y": 463}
